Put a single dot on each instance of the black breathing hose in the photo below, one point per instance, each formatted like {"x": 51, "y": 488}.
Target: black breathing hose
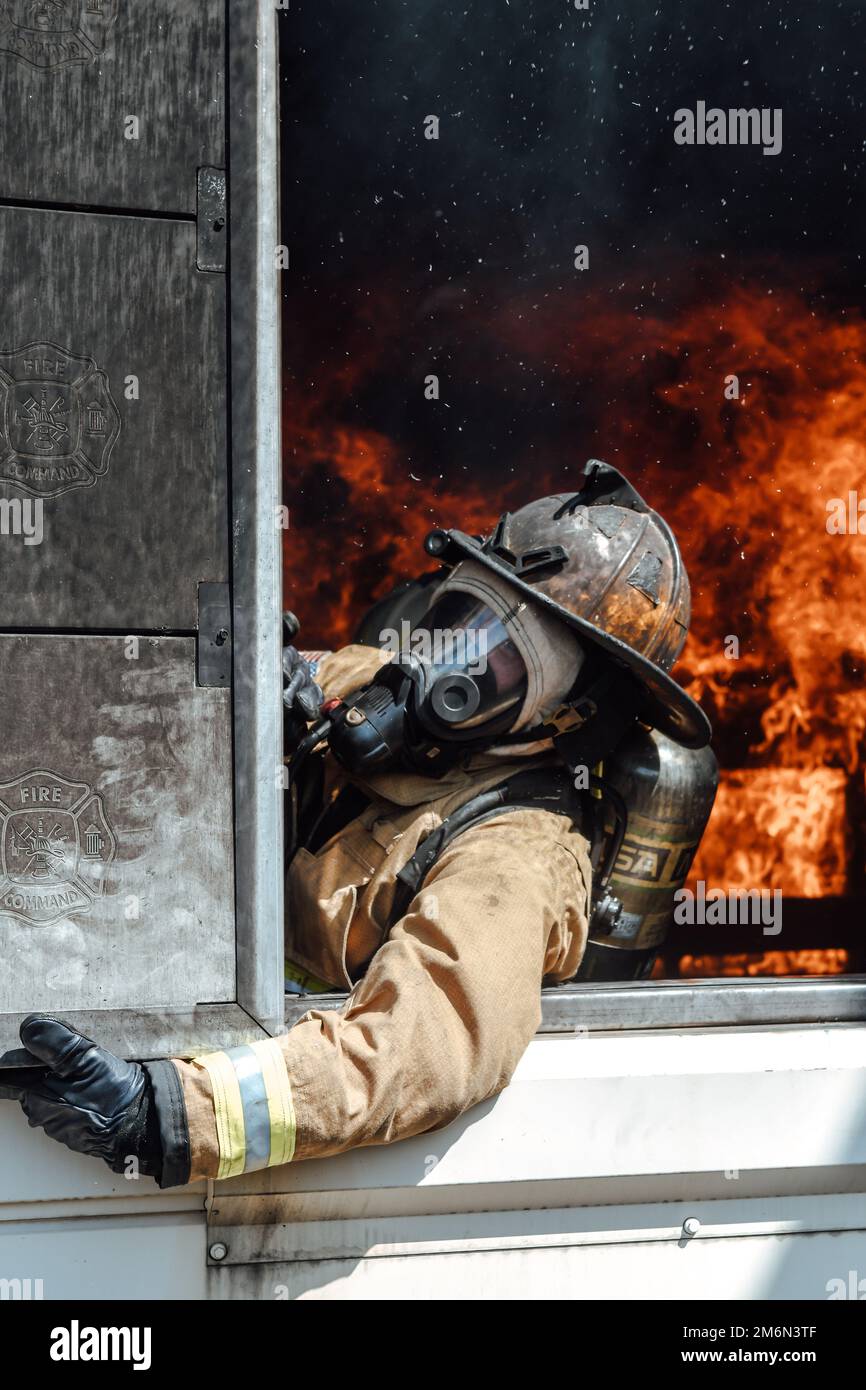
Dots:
{"x": 620, "y": 811}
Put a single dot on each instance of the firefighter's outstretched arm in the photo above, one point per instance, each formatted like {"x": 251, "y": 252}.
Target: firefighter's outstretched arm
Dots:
{"x": 437, "y": 1024}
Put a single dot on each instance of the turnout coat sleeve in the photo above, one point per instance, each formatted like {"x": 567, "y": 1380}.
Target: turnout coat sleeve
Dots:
{"x": 438, "y": 1022}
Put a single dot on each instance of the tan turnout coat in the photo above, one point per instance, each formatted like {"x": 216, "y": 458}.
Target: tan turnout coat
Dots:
{"x": 442, "y": 1007}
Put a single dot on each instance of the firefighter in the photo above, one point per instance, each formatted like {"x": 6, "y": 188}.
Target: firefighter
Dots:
{"x": 440, "y": 866}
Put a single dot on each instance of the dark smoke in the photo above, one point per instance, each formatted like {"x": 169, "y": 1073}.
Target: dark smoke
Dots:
{"x": 455, "y": 256}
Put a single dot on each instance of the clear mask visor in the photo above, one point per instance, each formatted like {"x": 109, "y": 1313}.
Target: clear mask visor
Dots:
{"x": 477, "y": 674}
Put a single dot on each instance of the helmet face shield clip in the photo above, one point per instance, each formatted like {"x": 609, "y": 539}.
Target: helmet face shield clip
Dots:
{"x": 572, "y": 716}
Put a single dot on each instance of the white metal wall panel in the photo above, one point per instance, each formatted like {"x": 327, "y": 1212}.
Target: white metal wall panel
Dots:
{"x": 574, "y": 1183}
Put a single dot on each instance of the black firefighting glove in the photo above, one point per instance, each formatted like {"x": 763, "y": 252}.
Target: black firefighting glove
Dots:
{"x": 302, "y": 697}
{"x": 86, "y": 1098}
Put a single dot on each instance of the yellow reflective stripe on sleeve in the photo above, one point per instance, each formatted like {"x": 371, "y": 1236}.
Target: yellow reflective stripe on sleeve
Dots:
{"x": 310, "y": 984}
{"x": 280, "y": 1105}
{"x": 255, "y": 1115}
{"x": 229, "y": 1112}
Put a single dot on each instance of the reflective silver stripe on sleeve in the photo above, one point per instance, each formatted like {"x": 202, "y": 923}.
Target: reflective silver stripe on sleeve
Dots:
{"x": 254, "y": 1100}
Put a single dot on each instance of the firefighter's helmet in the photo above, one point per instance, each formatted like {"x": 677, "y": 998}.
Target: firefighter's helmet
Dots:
{"x": 608, "y": 566}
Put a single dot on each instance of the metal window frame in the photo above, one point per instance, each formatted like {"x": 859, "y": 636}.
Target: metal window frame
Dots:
{"x": 668, "y": 1004}
{"x": 254, "y": 357}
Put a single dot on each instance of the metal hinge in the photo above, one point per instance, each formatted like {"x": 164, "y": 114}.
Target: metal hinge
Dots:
{"x": 214, "y": 654}
{"x": 211, "y": 219}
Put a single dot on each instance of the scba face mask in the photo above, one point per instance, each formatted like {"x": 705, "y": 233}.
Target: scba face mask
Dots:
{"x": 482, "y": 663}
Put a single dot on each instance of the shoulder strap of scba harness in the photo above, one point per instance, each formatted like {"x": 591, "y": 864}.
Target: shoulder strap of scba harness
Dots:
{"x": 548, "y": 788}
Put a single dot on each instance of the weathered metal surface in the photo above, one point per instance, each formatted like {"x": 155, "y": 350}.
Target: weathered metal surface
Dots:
{"x": 144, "y": 1033}
{"x": 675, "y": 1004}
{"x": 112, "y": 377}
{"x": 115, "y": 858}
{"x": 257, "y": 551}
{"x": 109, "y": 104}
{"x": 114, "y": 518}
{"x": 214, "y": 650}
{"x": 60, "y": 421}
{"x": 737, "y": 1263}
{"x": 212, "y": 220}
{"x": 474, "y": 1232}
